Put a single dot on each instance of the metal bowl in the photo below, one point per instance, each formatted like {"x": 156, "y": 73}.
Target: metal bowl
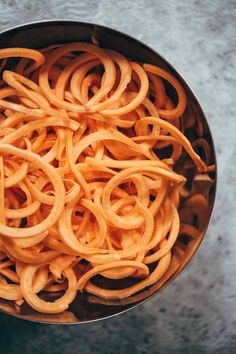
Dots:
{"x": 197, "y": 198}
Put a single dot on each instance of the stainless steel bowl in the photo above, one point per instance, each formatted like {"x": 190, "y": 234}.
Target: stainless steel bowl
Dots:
{"x": 87, "y": 308}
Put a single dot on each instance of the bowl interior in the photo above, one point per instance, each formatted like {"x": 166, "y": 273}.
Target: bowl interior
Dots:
{"x": 197, "y": 198}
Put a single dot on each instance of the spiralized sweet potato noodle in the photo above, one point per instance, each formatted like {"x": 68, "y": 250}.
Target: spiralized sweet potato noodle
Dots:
{"x": 82, "y": 189}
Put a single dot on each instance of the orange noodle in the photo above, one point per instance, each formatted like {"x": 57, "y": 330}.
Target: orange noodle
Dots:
{"x": 83, "y": 193}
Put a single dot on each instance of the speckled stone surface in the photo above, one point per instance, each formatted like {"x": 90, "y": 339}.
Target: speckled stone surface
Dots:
{"x": 197, "y": 313}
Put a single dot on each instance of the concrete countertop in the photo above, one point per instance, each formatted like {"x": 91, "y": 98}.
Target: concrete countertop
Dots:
{"x": 197, "y": 313}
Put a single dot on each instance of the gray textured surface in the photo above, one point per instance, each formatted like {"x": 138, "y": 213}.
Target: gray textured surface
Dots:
{"x": 197, "y": 313}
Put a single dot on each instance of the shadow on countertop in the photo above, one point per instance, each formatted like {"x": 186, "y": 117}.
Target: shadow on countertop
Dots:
{"x": 140, "y": 331}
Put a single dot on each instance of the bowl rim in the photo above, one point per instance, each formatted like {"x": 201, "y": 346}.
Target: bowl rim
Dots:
{"x": 63, "y": 21}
